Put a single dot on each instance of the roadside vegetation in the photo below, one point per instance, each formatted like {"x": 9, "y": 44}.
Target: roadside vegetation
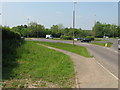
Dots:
{"x": 28, "y": 65}
{"x": 68, "y": 47}
{"x": 38, "y": 66}
{"x": 99, "y": 39}
{"x": 99, "y": 30}
{"x": 103, "y": 44}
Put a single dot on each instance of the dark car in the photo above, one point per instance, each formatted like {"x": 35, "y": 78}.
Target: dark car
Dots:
{"x": 86, "y": 40}
{"x": 118, "y": 44}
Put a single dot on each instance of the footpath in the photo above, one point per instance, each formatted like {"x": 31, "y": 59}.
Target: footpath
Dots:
{"x": 89, "y": 74}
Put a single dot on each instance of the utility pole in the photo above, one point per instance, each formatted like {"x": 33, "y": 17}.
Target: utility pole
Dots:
{"x": 94, "y": 25}
{"x": 73, "y": 20}
{"x": 37, "y": 30}
{"x": 27, "y": 29}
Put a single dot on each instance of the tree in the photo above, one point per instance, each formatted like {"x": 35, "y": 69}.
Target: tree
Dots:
{"x": 98, "y": 29}
{"x": 55, "y": 31}
{"x": 36, "y": 30}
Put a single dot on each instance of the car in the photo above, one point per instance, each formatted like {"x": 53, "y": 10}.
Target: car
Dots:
{"x": 79, "y": 38}
{"x": 118, "y": 44}
{"x": 86, "y": 40}
{"x": 75, "y": 39}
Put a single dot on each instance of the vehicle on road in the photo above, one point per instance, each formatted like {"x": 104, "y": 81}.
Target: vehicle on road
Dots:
{"x": 22, "y": 38}
{"x": 49, "y": 37}
{"x": 75, "y": 39}
{"x": 79, "y": 38}
{"x": 118, "y": 44}
{"x": 86, "y": 40}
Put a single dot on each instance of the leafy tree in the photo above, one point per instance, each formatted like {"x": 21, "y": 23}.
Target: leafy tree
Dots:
{"x": 55, "y": 31}
{"x": 98, "y": 29}
{"x": 36, "y": 30}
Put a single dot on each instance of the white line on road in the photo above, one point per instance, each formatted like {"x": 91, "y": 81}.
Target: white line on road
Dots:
{"x": 99, "y": 46}
{"x": 107, "y": 70}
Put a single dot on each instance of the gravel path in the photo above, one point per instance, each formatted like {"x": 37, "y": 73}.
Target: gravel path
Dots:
{"x": 89, "y": 74}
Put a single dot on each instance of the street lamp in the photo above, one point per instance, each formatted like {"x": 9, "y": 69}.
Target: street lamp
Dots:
{"x": 73, "y": 19}
{"x": 94, "y": 24}
{"x": 27, "y": 29}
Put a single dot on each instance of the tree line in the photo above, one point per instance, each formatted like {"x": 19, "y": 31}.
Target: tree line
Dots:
{"x": 34, "y": 29}
{"x": 110, "y": 30}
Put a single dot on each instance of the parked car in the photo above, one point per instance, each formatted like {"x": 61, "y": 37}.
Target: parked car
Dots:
{"x": 86, "y": 40}
{"x": 118, "y": 44}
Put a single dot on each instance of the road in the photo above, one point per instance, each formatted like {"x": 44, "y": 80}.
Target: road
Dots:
{"x": 115, "y": 44}
{"x": 107, "y": 57}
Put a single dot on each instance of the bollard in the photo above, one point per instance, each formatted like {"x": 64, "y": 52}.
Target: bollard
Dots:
{"x": 106, "y": 45}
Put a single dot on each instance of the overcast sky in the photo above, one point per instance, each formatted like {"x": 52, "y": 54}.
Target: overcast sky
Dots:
{"x": 51, "y": 13}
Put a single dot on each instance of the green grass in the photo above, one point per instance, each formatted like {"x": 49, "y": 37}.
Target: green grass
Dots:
{"x": 102, "y": 44}
{"x": 68, "y": 47}
{"x": 99, "y": 39}
{"x": 37, "y": 63}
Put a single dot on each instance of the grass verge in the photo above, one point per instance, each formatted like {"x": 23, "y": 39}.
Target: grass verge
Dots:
{"x": 38, "y": 66}
{"x": 99, "y": 39}
{"x": 68, "y": 47}
{"x": 102, "y": 44}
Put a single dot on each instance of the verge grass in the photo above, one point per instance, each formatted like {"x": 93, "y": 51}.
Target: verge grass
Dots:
{"x": 68, "y": 47}
{"x": 39, "y": 66}
{"x": 99, "y": 39}
{"x": 102, "y": 44}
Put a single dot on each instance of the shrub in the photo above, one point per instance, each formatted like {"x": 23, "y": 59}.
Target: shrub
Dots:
{"x": 8, "y": 34}
{"x": 66, "y": 37}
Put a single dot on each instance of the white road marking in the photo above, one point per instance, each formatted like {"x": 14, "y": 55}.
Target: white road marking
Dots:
{"x": 107, "y": 70}
{"x": 100, "y": 46}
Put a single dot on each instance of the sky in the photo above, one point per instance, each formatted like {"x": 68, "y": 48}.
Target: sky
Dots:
{"x": 52, "y": 13}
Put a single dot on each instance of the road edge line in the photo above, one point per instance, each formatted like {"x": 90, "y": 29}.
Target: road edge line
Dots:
{"x": 106, "y": 69}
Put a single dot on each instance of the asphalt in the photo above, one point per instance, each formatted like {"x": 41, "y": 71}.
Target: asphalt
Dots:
{"x": 107, "y": 57}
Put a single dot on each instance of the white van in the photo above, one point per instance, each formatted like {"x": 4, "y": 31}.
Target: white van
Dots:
{"x": 119, "y": 44}
{"x": 49, "y": 37}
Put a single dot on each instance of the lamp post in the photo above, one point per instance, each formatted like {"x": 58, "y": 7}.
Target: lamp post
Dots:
{"x": 27, "y": 29}
{"x": 37, "y": 30}
{"x": 73, "y": 20}
{"x": 94, "y": 24}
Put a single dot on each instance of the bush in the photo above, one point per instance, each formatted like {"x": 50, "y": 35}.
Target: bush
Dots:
{"x": 8, "y": 34}
{"x": 90, "y": 37}
{"x": 10, "y": 42}
{"x": 66, "y": 37}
